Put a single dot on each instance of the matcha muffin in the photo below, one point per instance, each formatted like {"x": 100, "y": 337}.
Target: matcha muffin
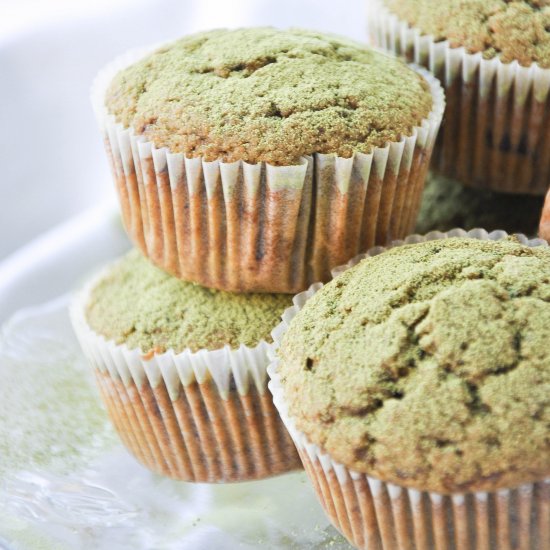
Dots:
{"x": 424, "y": 370}
{"x": 447, "y": 204}
{"x": 256, "y": 160}
{"x": 182, "y": 371}
{"x": 493, "y": 59}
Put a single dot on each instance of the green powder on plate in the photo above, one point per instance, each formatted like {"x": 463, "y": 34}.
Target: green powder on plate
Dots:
{"x": 50, "y": 416}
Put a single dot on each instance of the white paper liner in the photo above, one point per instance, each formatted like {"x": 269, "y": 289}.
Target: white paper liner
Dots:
{"x": 493, "y": 135}
{"x": 373, "y": 514}
{"x": 197, "y": 416}
{"x": 256, "y": 227}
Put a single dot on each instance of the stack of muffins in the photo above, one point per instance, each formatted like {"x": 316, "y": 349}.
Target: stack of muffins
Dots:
{"x": 414, "y": 385}
{"x": 248, "y": 163}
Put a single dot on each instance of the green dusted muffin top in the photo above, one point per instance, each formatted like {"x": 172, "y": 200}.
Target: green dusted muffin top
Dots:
{"x": 447, "y": 204}
{"x": 429, "y": 365}
{"x": 513, "y": 30}
{"x": 262, "y": 94}
{"x": 139, "y": 305}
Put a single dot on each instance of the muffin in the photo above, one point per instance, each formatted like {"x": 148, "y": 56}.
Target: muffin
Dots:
{"x": 415, "y": 385}
{"x": 494, "y": 61}
{"x": 258, "y": 159}
{"x": 447, "y": 204}
{"x": 182, "y": 372}
{"x": 544, "y": 227}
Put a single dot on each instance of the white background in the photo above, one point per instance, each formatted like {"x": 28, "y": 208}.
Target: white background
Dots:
{"x": 52, "y": 165}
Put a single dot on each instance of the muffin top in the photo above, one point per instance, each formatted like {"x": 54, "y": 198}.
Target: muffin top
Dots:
{"x": 139, "y": 305}
{"x": 447, "y": 204}
{"x": 429, "y": 365}
{"x": 513, "y": 30}
{"x": 262, "y": 94}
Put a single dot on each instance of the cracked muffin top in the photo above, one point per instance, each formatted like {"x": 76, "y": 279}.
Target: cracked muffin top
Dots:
{"x": 262, "y": 94}
{"x": 429, "y": 366}
{"x": 512, "y": 30}
{"x": 139, "y": 305}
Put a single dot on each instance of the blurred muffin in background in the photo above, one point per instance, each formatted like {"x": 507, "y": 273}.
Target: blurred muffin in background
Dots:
{"x": 493, "y": 58}
{"x": 447, "y": 204}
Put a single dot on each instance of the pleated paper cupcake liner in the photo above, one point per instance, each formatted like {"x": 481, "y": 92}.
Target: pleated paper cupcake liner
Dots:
{"x": 203, "y": 416}
{"x": 496, "y": 133}
{"x": 375, "y": 515}
{"x": 256, "y": 227}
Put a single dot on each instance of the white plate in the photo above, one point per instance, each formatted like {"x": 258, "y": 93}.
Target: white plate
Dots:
{"x": 65, "y": 480}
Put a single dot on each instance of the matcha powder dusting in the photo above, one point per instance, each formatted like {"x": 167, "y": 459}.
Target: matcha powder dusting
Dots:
{"x": 263, "y": 94}
{"x": 429, "y": 365}
{"x": 139, "y": 305}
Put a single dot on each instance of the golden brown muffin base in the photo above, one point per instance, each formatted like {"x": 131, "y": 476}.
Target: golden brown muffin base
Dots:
{"x": 200, "y": 436}
{"x": 492, "y": 143}
{"x": 266, "y": 240}
{"x": 385, "y": 517}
